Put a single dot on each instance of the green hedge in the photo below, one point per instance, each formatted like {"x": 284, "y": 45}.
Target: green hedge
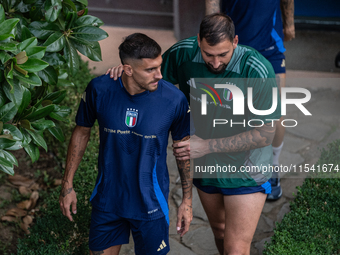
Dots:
{"x": 313, "y": 225}
{"x": 53, "y": 233}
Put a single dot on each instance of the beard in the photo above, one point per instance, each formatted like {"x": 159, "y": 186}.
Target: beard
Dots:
{"x": 218, "y": 70}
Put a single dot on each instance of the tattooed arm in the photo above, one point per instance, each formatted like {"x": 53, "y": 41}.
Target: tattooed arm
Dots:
{"x": 287, "y": 9}
{"x": 184, "y": 215}
{"x": 76, "y": 149}
{"x": 212, "y": 6}
{"x": 252, "y": 139}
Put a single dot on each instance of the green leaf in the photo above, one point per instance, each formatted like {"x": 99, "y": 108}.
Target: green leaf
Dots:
{"x": 10, "y": 157}
{"x": 17, "y": 146}
{"x": 84, "y": 2}
{"x": 16, "y": 95}
{"x": 7, "y": 112}
{"x": 29, "y": 1}
{"x": 1, "y": 126}
{"x": 53, "y": 8}
{"x": 33, "y": 151}
{"x": 88, "y": 20}
{"x": 88, "y": 49}
{"x": 55, "y": 42}
{"x": 25, "y": 33}
{"x": 2, "y": 14}
{"x": 40, "y": 113}
{"x": 26, "y": 137}
{"x": 36, "y": 12}
{"x": 23, "y": 7}
{"x": 12, "y": 130}
{"x": 26, "y": 99}
{"x": 62, "y": 111}
{"x": 3, "y": 98}
{"x": 46, "y": 103}
{"x": 4, "y": 57}
{"x": 90, "y": 33}
{"x": 64, "y": 83}
{"x": 30, "y": 78}
{"x": 70, "y": 19}
{"x": 42, "y": 29}
{"x": 38, "y": 138}
{"x": 8, "y": 46}
{"x": 70, "y": 5}
{"x": 54, "y": 59}
{"x": 7, "y": 26}
{"x": 49, "y": 75}
{"x": 34, "y": 65}
{"x": 42, "y": 124}
{"x": 72, "y": 57}
{"x": 5, "y": 143}
{"x": 21, "y": 57}
{"x": 26, "y": 124}
{"x": 57, "y": 132}
{"x": 30, "y": 42}
{"x": 5, "y": 36}
{"x": 56, "y": 97}
{"x": 7, "y": 170}
{"x": 4, "y": 161}
{"x": 36, "y": 52}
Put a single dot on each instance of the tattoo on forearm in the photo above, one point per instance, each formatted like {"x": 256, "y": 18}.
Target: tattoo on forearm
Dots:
{"x": 287, "y": 9}
{"x": 97, "y": 252}
{"x": 212, "y": 6}
{"x": 256, "y": 138}
{"x": 65, "y": 192}
{"x": 185, "y": 174}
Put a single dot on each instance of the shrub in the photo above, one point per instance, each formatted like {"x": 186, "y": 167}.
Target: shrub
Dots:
{"x": 313, "y": 225}
{"x": 53, "y": 233}
{"x": 38, "y": 39}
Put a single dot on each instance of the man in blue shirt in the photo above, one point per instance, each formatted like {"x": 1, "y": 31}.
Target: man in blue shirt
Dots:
{"x": 259, "y": 24}
{"x": 135, "y": 115}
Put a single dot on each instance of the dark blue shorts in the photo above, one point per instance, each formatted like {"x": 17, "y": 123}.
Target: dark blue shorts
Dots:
{"x": 264, "y": 188}
{"x": 279, "y": 64}
{"x": 108, "y": 229}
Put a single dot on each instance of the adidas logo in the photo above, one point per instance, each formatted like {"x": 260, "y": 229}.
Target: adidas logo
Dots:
{"x": 191, "y": 83}
{"x": 162, "y": 246}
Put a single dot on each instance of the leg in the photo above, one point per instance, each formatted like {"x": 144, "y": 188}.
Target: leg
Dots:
{"x": 213, "y": 205}
{"x": 280, "y": 130}
{"x": 277, "y": 146}
{"x": 114, "y": 250}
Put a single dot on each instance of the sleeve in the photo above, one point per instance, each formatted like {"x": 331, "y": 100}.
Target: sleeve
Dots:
{"x": 180, "y": 127}
{"x": 87, "y": 111}
{"x": 261, "y": 78}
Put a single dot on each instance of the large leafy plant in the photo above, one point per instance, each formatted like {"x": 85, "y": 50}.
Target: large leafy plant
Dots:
{"x": 37, "y": 40}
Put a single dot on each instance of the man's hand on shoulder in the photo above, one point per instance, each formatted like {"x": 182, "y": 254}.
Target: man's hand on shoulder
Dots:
{"x": 115, "y": 71}
{"x": 68, "y": 198}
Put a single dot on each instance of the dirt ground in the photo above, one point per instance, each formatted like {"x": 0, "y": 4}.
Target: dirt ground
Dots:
{"x": 43, "y": 172}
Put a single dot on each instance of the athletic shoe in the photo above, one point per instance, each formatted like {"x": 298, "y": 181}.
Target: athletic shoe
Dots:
{"x": 276, "y": 187}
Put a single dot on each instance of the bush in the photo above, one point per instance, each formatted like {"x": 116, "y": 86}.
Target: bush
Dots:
{"x": 53, "y": 233}
{"x": 313, "y": 225}
{"x": 39, "y": 44}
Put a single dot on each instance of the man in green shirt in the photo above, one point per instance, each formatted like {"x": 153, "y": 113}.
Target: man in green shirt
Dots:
{"x": 233, "y": 201}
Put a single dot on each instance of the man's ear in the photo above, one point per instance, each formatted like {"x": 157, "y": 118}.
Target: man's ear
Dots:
{"x": 199, "y": 40}
{"x": 127, "y": 70}
{"x": 235, "y": 42}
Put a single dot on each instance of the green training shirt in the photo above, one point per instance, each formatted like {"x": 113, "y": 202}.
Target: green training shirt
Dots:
{"x": 183, "y": 64}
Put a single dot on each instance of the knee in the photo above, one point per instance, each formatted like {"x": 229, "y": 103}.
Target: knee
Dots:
{"x": 218, "y": 230}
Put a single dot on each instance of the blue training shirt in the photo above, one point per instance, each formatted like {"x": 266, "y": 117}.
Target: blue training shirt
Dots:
{"x": 258, "y": 24}
{"x": 133, "y": 180}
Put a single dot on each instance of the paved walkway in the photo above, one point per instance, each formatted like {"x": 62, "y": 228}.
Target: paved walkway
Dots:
{"x": 301, "y": 146}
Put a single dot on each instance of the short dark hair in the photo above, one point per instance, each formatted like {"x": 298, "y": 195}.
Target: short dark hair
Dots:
{"x": 216, "y": 28}
{"x": 138, "y": 46}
